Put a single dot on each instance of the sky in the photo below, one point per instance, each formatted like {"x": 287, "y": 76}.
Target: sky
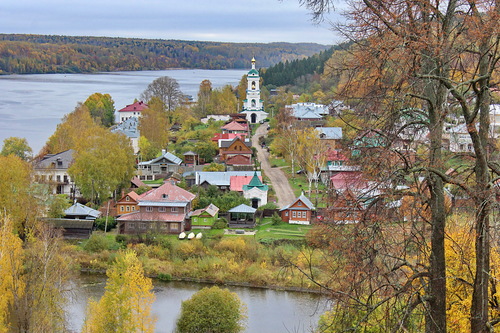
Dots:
{"x": 254, "y": 21}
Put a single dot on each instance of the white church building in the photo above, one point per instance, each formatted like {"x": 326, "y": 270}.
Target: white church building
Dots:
{"x": 253, "y": 106}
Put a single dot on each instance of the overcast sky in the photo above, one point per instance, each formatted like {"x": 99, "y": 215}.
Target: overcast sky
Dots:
{"x": 209, "y": 20}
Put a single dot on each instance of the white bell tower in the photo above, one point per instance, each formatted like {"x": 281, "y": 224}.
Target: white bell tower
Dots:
{"x": 253, "y": 106}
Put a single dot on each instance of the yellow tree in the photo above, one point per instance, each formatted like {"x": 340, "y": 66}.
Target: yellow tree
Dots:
{"x": 126, "y": 304}
{"x": 71, "y": 131}
{"x": 154, "y": 125}
{"x": 103, "y": 163}
{"x": 11, "y": 266}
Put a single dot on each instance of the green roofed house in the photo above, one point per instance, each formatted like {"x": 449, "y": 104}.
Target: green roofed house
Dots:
{"x": 204, "y": 217}
{"x": 256, "y": 191}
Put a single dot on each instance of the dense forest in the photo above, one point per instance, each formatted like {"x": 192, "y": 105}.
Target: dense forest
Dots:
{"x": 288, "y": 71}
{"x": 26, "y": 54}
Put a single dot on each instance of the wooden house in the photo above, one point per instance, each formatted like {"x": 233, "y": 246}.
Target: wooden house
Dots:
{"x": 128, "y": 203}
{"x": 298, "y": 212}
{"x": 236, "y": 152}
{"x": 161, "y": 210}
{"x": 204, "y": 217}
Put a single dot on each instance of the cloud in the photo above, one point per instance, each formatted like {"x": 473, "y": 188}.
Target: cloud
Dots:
{"x": 216, "y": 20}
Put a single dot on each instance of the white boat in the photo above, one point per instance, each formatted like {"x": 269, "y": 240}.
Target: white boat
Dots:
{"x": 191, "y": 235}
{"x": 199, "y": 235}
{"x": 182, "y": 235}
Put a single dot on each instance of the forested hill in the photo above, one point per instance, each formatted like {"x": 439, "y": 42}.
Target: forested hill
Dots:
{"x": 23, "y": 54}
{"x": 286, "y": 72}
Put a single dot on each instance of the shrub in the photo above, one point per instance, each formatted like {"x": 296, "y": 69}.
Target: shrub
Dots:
{"x": 164, "y": 277}
{"x": 100, "y": 242}
{"x": 100, "y": 223}
{"x": 221, "y": 223}
{"x": 276, "y": 219}
{"x": 212, "y": 310}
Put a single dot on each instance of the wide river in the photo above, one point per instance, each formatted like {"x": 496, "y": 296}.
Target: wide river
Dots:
{"x": 32, "y": 105}
{"x": 268, "y": 311}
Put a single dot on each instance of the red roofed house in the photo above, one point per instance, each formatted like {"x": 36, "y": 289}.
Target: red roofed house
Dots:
{"x": 226, "y": 136}
{"x": 132, "y": 110}
{"x": 235, "y": 127}
{"x": 161, "y": 210}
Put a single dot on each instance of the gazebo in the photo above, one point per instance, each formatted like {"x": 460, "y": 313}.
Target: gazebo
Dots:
{"x": 242, "y": 216}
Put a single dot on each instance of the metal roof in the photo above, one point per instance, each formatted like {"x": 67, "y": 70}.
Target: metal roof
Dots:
{"x": 243, "y": 209}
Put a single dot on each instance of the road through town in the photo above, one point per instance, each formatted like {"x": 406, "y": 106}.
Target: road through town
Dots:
{"x": 279, "y": 182}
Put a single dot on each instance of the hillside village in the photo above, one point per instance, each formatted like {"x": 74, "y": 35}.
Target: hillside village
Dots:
{"x": 158, "y": 198}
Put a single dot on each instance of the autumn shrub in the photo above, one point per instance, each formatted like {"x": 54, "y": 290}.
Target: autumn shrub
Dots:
{"x": 100, "y": 242}
{"x": 190, "y": 248}
{"x": 238, "y": 246}
{"x": 164, "y": 277}
{"x": 100, "y": 223}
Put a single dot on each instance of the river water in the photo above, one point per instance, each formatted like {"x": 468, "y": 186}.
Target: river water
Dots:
{"x": 269, "y": 311}
{"x": 32, "y": 105}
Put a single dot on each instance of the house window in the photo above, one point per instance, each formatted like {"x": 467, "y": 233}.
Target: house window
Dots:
{"x": 122, "y": 209}
{"x": 173, "y": 209}
{"x": 127, "y": 198}
{"x": 149, "y": 209}
{"x": 128, "y": 209}
{"x": 162, "y": 209}
{"x": 131, "y": 225}
{"x": 143, "y": 225}
{"x": 174, "y": 226}
{"x": 299, "y": 203}
{"x": 304, "y": 215}
{"x": 164, "y": 226}
{"x": 133, "y": 208}
{"x": 286, "y": 213}
{"x": 294, "y": 213}
{"x": 58, "y": 178}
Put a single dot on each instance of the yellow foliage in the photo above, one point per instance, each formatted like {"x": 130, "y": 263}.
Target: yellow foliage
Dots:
{"x": 11, "y": 254}
{"x": 126, "y": 304}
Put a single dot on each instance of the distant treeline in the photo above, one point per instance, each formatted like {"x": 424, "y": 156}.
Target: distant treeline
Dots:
{"x": 23, "y": 54}
{"x": 286, "y": 72}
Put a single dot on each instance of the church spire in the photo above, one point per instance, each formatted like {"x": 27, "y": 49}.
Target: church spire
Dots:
{"x": 253, "y": 62}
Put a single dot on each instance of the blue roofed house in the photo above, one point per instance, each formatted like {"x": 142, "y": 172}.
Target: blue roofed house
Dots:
{"x": 158, "y": 167}
{"x": 330, "y": 136}
{"x": 308, "y": 111}
{"x": 130, "y": 129}
{"x": 221, "y": 179}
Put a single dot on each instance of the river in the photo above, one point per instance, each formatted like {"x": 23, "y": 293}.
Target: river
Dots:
{"x": 32, "y": 105}
{"x": 269, "y": 311}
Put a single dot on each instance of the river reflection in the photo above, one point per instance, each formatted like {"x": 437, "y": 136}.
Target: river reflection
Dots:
{"x": 269, "y": 311}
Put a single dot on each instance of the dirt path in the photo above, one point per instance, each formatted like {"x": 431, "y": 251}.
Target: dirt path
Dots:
{"x": 278, "y": 179}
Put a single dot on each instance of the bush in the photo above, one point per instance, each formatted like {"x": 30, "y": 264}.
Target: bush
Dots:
{"x": 122, "y": 239}
{"x": 276, "y": 219}
{"x": 221, "y": 223}
{"x": 100, "y": 242}
{"x": 212, "y": 310}
{"x": 164, "y": 277}
{"x": 100, "y": 223}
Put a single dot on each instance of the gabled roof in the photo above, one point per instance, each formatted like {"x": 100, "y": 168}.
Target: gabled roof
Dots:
{"x": 129, "y": 128}
{"x": 80, "y": 210}
{"x": 303, "y": 199}
{"x": 228, "y": 143}
{"x": 345, "y": 180}
{"x": 168, "y": 156}
{"x": 238, "y": 182}
{"x": 335, "y": 155}
{"x": 137, "y": 182}
{"x": 167, "y": 193}
{"x": 308, "y": 110}
{"x": 211, "y": 209}
{"x": 220, "y": 178}
{"x": 235, "y": 126}
{"x": 137, "y": 106}
{"x": 330, "y": 133}
{"x": 60, "y": 160}
{"x": 227, "y": 136}
{"x": 243, "y": 209}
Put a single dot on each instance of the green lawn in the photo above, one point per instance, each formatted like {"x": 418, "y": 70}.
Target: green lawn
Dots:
{"x": 282, "y": 231}
{"x": 152, "y": 182}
